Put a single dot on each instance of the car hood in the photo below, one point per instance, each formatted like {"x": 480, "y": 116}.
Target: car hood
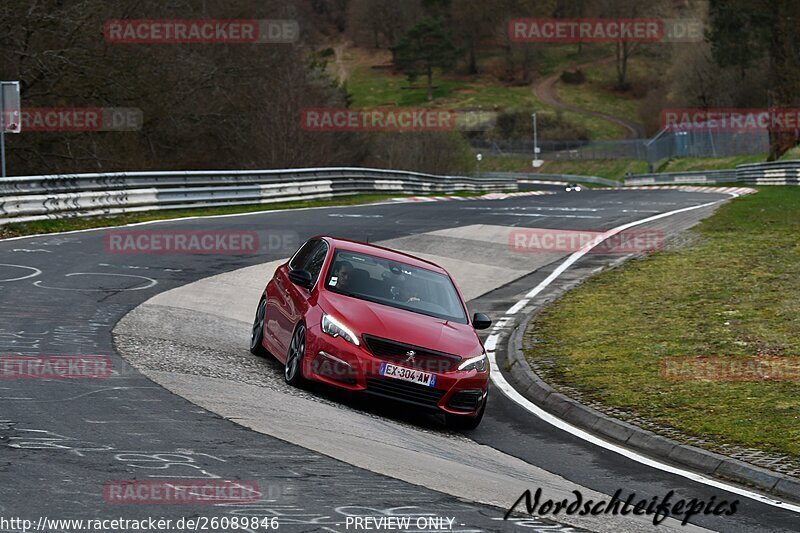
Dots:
{"x": 384, "y": 321}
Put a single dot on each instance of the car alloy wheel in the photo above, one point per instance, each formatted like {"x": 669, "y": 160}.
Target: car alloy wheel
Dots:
{"x": 293, "y": 372}
{"x": 257, "y": 335}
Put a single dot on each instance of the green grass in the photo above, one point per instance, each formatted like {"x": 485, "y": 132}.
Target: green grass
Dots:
{"x": 708, "y": 163}
{"x": 370, "y": 88}
{"x": 605, "y": 168}
{"x": 791, "y": 154}
{"x": 70, "y": 224}
{"x": 731, "y": 292}
{"x": 552, "y": 58}
{"x": 379, "y": 87}
{"x": 598, "y": 128}
{"x": 597, "y": 94}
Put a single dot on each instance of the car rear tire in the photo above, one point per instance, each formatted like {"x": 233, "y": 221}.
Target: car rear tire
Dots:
{"x": 257, "y": 334}
{"x": 465, "y": 422}
{"x": 293, "y": 371}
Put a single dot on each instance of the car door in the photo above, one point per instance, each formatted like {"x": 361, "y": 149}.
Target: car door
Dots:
{"x": 278, "y": 320}
{"x": 292, "y": 300}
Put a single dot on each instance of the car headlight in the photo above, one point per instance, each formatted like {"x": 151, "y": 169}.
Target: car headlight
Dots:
{"x": 478, "y": 363}
{"x": 334, "y": 328}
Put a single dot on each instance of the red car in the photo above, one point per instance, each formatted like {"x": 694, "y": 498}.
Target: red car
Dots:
{"x": 366, "y": 318}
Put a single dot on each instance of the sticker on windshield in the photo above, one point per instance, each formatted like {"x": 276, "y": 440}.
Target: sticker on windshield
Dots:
{"x": 333, "y": 281}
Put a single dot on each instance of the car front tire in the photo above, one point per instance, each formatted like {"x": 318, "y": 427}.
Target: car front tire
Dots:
{"x": 293, "y": 371}
{"x": 257, "y": 334}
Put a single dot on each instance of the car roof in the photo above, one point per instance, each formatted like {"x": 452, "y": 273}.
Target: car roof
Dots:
{"x": 380, "y": 251}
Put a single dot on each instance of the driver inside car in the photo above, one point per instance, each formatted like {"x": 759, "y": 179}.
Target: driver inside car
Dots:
{"x": 344, "y": 274}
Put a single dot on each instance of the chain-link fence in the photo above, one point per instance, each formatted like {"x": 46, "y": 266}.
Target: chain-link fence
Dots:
{"x": 665, "y": 145}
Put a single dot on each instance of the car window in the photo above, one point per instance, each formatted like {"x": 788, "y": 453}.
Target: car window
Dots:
{"x": 395, "y": 284}
{"x": 316, "y": 259}
{"x": 302, "y": 254}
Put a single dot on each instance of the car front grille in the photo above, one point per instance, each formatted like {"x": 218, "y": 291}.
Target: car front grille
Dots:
{"x": 407, "y": 392}
{"x": 399, "y": 353}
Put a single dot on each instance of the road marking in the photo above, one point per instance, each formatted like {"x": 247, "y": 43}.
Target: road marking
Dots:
{"x": 517, "y": 306}
{"x": 151, "y": 282}
{"x": 36, "y": 272}
{"x": 500, "y": 382}
{"x": 132, "y": 267}
{"x": 537, "y": 208}
{"x": 352, "y": 215}
{"x": 542, "y": 215}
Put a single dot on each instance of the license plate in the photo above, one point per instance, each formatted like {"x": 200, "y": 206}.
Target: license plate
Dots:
{"x": 408, "y": 374}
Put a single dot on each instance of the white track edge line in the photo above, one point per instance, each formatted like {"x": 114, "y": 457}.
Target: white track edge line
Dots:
{"x": 500, "y": 382}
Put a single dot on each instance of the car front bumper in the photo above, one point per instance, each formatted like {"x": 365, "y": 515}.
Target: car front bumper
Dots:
{"x": 335, "y": 361}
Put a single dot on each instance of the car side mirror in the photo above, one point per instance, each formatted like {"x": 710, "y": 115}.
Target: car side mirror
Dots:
{"x": 301, "y": 277}
{"x": 481, "y": 321}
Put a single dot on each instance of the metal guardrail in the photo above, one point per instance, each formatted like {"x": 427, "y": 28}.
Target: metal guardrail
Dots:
{"x": 553, "y": 177}
{"x": 693, "y": 177}
{"x": 30, "y": 198}
{"x": 775, "y": 173}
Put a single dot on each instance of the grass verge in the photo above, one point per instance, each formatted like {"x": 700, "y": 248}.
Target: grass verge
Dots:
{"x": 732, "y": 292}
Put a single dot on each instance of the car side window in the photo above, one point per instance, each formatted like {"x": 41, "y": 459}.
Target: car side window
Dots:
{"x": 301, "y": 256}
{"x": 316, "y": 260}
{"x": 311, "y": 257}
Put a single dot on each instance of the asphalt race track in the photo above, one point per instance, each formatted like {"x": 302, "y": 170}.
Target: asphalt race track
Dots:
{"x": 317, "y": 457}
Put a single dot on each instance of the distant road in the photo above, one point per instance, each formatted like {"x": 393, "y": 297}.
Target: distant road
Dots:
{"x": 545, "y": 90}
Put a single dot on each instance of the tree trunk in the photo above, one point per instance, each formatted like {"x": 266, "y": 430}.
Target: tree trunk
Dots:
{"x": 430, "y": 84}
{"x": 473, "y": 60}
{"x": 784, "y": 65}
{"x": 527, "y": 56}
{"x": 780, "y": 142}
{"x": 622, "y": 64}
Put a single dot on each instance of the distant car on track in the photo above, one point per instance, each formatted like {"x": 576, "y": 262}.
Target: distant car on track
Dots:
{"x": 365, "y": 318}
{"x": 573, "y": 187}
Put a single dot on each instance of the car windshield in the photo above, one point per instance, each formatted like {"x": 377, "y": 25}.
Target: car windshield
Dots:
{"x": 395, "y": 284}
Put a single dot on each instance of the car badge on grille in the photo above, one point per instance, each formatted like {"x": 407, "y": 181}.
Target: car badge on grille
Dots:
{"x": 410, "y": 358}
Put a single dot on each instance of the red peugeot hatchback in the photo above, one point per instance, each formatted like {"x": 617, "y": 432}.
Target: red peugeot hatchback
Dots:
{"x": 366, "y": 318}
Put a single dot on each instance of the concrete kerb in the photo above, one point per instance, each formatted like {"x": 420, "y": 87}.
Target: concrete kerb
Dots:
{"x": 518, "y": 372}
